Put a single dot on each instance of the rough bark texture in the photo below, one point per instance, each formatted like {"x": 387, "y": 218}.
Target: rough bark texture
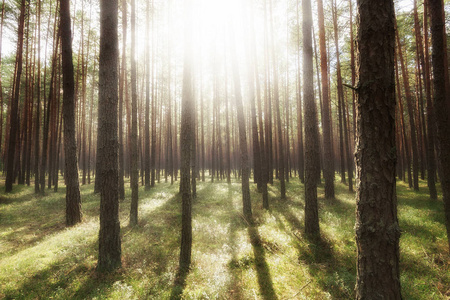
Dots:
{"x": 441, "y": 94}
{"x": 109, "y": 256}
{"x": 328, "y": 166}
{"x": 377, "y": 230}
{"x": 73, "y": 198}
{"x": 312, "y": 160}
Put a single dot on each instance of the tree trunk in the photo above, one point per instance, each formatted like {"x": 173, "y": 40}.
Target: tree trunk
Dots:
{"x": 412, "y": 123}
{"x": 73, "y": 198}
{"x": 122, "y": 92}
{"x": 153, "y": 104}
{"x": 377, "y": 230}
{"x": 402, "y": 122}
{"x": 246, "y": 201}
{"x": 15, "y": 102}
{"x": 328, "y": 168}
{"x": 301, "y": 159}
{"x": 312, "y": 160}
{"x": 134, "y": 179}
{"x": 441, "y": 95}
{"x": 1, "y": 85}
{"x": 186, "y": 144}
{"x": 109, "y": 256}
{"x": 431, "y": 158}
{"x": 38, "y": 104}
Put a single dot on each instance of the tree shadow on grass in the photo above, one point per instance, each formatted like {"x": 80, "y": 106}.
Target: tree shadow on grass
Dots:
{"x": 235, "y": 266}
{"x": 179, "y": 283}
{"x": 26, "y": 218}
{"x": 317, "y": 252}
{"x": 56, "y": 280}
{"x": 262, "y": 268}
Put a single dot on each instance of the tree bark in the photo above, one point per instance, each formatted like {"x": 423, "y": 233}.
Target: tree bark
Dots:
{"x": 109, "y": 257}
{"x": 301, "y": 159}
{"x": 122, "y": 92}
{"x": 377, "y": 229}
{"x": 38, "y": 104}
{"x": 134, "y": 179}
{"x": 441, "y": 95}
{"x": 412, "y": 123}
{"x": 328, "y": 168}
{"x": 312, "y": 160}
{"x": 15, "y": 102}
{"x": 431, "y": 158}
{"x": 73, "y": 198}
{"x": 246, "y": 201}
{"x": 186, "y": 144}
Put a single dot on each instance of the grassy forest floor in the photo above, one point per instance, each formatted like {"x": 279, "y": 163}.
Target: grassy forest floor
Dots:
{"x": 42, "y": 259}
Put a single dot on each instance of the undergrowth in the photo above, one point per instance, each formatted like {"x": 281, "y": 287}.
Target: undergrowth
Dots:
{"x": 271, "y": 259}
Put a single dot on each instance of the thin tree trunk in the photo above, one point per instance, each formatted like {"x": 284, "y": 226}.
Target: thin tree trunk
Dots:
{"x": 15, "y": 102}
{"x": 277, "y": 110}
{"x": 412, "y": 123}
{"x": 1, "y": 85}
{"x": 402, "y": 122}
{"x": 153, "y": 104}
{"x": 38, "y": 104}
{"x": 431, "y": 159}
{"x": 301, "y": 159}
{"x": 134, "y": 179}
{"x": 246, "y": 201}
{"x": 147, "y": 104}
{"x": 328, "y": 168}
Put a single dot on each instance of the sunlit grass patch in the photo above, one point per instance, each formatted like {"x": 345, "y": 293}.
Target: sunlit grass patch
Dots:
{"x": 231, "y": 259}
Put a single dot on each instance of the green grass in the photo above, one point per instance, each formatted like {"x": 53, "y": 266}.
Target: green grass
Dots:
{"x": 42, "y": 259}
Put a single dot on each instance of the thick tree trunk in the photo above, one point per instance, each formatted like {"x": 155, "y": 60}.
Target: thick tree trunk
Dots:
{"x": 441, "y": 95}
{"x": 73, "y": 198}
{"x": 312, "y": 159}
{"x": 377, "y": 230}
{"x": 109, "y": 256}
{"x": 186, "y": 142}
